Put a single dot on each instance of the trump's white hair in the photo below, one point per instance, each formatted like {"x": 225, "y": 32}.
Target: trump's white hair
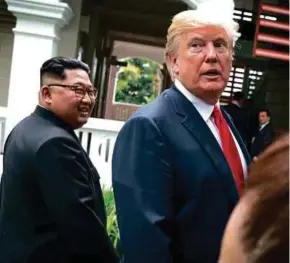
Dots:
{"x": 206, "y": 14}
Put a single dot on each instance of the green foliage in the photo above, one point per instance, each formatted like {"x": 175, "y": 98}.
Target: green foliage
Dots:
{"x": 112, "y": 224}
{"x": 138, "y": 83}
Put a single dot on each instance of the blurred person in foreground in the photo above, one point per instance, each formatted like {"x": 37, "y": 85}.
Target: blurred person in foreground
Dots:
{"x": 179, "y": 163}
{"x": 51, "y": 204}
{"x": 258, "y": 231}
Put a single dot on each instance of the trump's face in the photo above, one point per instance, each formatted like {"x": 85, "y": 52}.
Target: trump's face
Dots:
{"x": 203, "y": 61}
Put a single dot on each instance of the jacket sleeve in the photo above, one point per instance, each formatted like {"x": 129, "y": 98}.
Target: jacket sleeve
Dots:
{"x": 142, "y": 182}
{"x": 67, "y": 192}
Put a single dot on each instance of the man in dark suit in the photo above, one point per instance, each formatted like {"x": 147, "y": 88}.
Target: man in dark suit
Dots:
{"x": 52, "y": 209}
{"x": 179, "y": 163}
{"x": 265, "y": 135}
{"x": 238, "y": 114}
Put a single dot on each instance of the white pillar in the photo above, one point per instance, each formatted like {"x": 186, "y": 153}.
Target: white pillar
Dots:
{"x": 38, "y": 23}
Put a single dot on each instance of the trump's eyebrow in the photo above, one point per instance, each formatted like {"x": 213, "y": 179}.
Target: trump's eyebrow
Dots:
{"x": 218, "y": 38}
{"x": 194, "y": 40}
{"x": 221, "y": 38}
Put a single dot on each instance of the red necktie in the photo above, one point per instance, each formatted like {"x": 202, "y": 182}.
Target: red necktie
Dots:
{"x": 229, "y": 148}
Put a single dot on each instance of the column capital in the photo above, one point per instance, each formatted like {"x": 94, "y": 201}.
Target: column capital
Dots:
{"x": 45, "y": 11}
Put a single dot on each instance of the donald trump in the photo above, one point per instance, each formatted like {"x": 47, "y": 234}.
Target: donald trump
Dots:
{"x": 179, "y": 164}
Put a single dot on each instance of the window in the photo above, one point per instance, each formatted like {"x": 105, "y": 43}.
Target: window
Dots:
{"x": 255, "y": 77}
{"x": 248, "y": 16}
{"x": 243, "y": 15}
{"x": 138, "y": 83}
{"x": 235, "y": 83}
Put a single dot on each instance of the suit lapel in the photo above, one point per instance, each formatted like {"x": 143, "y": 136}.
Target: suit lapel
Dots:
{"x": 193, "y": 122}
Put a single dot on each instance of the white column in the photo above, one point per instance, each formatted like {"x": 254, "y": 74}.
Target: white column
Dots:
{"x": 36, "y": 35}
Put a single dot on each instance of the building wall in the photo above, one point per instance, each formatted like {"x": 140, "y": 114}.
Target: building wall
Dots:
{"x": 69, "y": 35}
{"x": 277, "y": 96}
{"x": 6, "y": 48}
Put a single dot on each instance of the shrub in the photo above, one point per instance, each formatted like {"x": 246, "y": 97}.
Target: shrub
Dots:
{"x": 112, "y": 224}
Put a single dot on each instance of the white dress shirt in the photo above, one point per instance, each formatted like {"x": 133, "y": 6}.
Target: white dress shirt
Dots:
{"x": 205, "y": 110}
{"x": 264, "y": 125}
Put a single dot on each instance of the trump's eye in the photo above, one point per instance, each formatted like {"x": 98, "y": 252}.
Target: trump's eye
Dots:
{"x": 196, "y": 47}
{"x": 221, "y": 45}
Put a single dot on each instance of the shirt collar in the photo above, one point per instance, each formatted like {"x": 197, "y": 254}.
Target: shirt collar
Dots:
{"x": 52, "y": 117}
{"x": 204, "y": 109}
{"x": 263, "y": 125}
{"x": 236, "y": 103}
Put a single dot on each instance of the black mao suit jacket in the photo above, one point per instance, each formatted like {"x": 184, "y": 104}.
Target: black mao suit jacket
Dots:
{"x": 51, "y": 208}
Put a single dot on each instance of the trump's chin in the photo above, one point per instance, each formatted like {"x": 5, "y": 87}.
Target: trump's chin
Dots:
{"x": 210, "y": 95}
{"x": 214, "y": 86}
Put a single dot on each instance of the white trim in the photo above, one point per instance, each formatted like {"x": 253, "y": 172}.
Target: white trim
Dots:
{"x": 58, "y": 13}
{"x": 116, "y": 103}
{"x": 3, "y": 115}
{"x": 26, "y": 32}
{"x": 103, "y": 125}
{"x": 93, "y": 123}
{"x": 3, "y": 112}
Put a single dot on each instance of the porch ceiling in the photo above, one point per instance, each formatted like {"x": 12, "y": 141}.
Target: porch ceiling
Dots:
{"x": 149, "y": 17}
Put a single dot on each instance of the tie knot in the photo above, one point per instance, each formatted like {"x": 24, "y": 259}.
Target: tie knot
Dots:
{"x": 216, "y": 114}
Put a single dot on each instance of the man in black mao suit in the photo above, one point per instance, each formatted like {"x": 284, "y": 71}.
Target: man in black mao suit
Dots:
{"x": 52, "y": 208}
{"x": 265, "y": 135}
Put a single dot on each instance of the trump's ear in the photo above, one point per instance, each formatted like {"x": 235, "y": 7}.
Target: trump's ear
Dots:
{"x": 172, "y": 62}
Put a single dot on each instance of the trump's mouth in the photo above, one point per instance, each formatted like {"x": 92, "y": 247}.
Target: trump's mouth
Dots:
{"x": 212, "y": 73}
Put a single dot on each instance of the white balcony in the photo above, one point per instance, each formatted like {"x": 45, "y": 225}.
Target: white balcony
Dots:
{"x": 97, "y": 137}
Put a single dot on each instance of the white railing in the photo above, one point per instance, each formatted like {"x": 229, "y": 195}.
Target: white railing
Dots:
{"x": 97, "y": 137}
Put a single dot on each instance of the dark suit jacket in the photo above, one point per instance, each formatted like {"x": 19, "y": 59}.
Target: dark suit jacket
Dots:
{"x": 173, "y": 188}
{"x": 240, "y": 119}
{"x": 262, "y": 140}
{"x": 51, "y": 208}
